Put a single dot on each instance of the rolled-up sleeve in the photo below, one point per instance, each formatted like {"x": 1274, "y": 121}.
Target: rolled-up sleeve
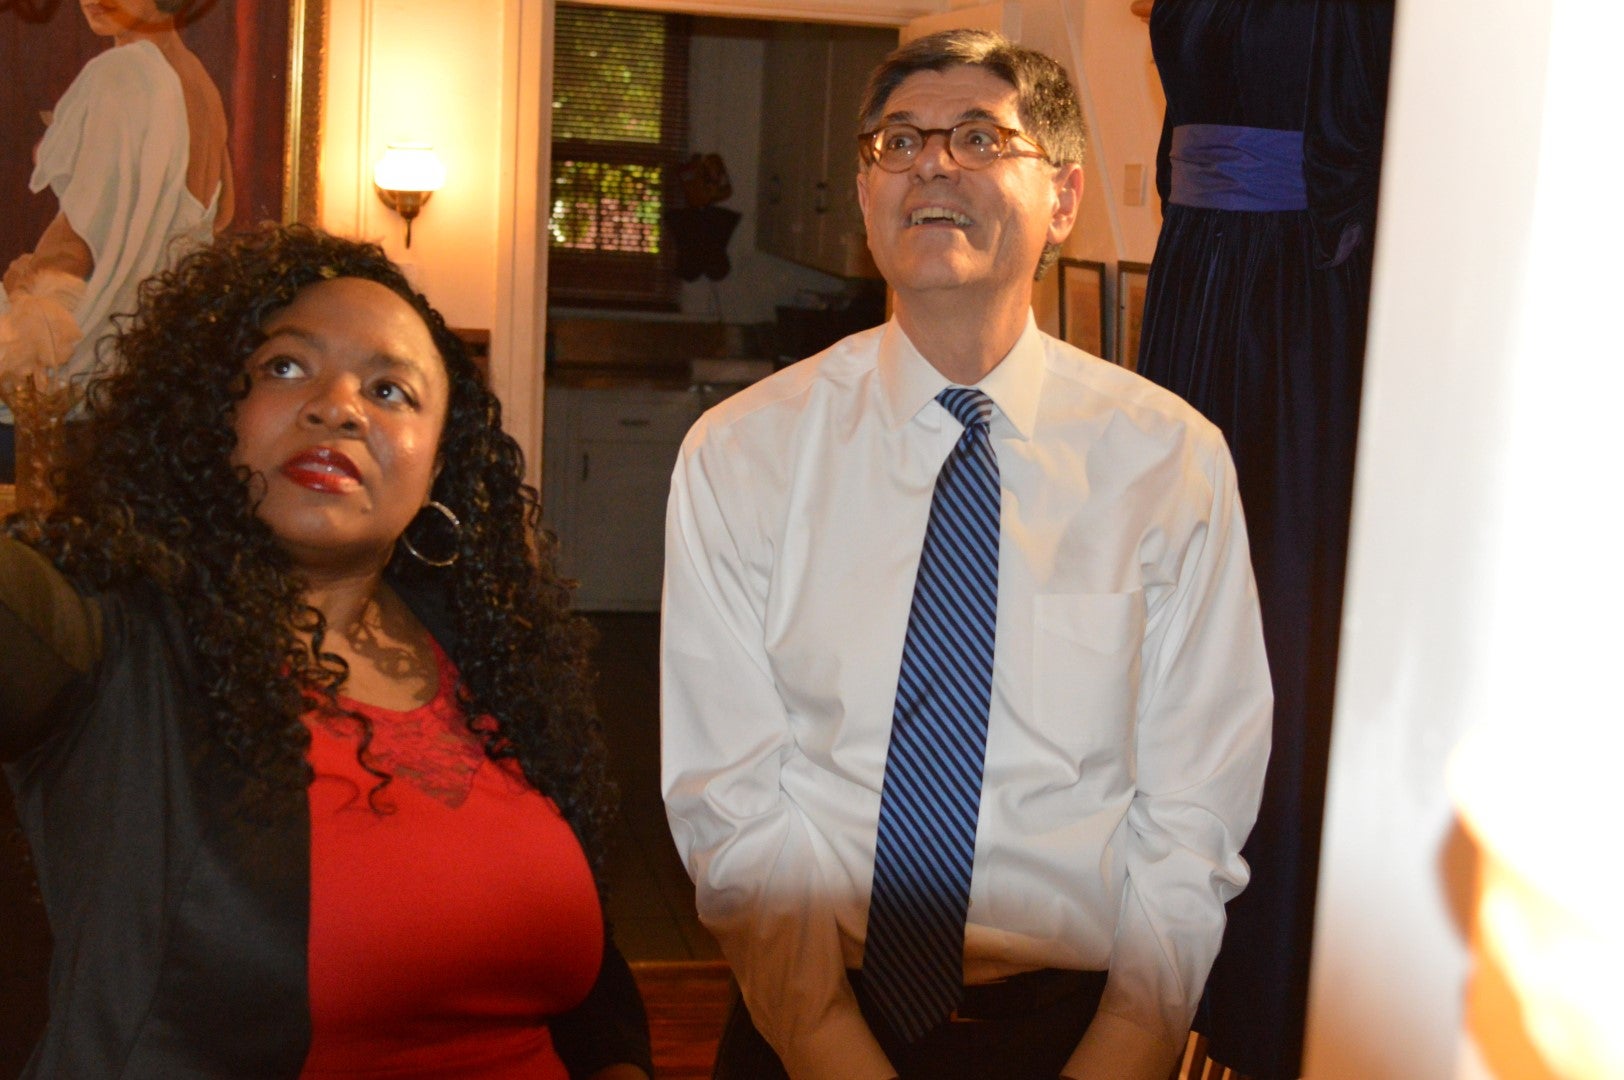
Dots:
{"x": 1201, "y": 748}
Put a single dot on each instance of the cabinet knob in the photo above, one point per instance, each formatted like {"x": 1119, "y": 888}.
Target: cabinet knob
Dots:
{"x": 775, "y": 190}
{"x": 821, "y": 203}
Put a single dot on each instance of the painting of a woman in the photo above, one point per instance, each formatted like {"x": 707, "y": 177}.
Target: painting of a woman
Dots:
{"x": 137, "y": 158}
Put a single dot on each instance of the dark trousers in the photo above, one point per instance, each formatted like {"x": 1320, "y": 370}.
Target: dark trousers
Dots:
{"x": 1023, "y": 1028}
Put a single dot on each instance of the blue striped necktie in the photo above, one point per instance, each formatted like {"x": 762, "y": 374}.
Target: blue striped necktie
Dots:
{"x": 913, "y": 960}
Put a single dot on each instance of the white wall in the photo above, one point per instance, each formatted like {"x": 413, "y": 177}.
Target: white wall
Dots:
{"x": 1123, "y": 105}
{"x": 423, "y": 70}
{"x": 1484, "y": 589}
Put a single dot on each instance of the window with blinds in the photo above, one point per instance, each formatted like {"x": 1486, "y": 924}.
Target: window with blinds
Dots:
{"x": 620, "y": 108}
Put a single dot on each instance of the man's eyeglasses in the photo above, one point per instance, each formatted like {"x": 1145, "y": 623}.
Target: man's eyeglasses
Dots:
{"x": 974, "y": 144}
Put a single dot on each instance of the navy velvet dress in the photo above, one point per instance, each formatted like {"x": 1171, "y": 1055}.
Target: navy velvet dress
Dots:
{"x": 1257, "y": 317}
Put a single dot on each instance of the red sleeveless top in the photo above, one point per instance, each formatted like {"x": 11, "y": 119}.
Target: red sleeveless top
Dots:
{"x": 445, "y": 928}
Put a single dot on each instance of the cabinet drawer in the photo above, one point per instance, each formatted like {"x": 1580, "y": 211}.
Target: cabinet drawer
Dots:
{"x": 634, "y": 415}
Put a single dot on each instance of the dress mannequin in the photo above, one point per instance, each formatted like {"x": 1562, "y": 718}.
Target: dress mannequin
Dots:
{"x": 1255, "y": 313}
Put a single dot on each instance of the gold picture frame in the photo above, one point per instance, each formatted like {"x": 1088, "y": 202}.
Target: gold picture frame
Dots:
{"x": 1084, "y": 306}
{"x": 1133, "y": 278}
{"x": 307, "y": 59}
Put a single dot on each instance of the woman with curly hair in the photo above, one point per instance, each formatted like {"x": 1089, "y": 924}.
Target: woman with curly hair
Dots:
{"x": 293, "y": 707}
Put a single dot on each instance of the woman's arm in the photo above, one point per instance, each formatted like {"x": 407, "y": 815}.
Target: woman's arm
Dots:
{"x": 606, "y": 1036}
{"x": 52, "y": 636}
{"x": 59, "y": 248}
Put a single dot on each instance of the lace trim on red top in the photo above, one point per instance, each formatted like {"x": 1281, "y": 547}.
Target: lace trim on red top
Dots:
{"x": 430, "y": 747}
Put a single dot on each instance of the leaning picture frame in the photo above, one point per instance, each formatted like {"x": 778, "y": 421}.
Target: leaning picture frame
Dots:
{"x": 263, "y": 57}
{"x": 1084, "y": 305}
{"x": 1132, "y": 280}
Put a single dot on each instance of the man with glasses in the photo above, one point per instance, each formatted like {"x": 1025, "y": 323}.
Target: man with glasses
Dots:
{"x": 965, "y": 703}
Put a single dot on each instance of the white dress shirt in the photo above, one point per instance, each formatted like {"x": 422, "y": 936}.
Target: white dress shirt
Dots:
{"x": 1131, "y": 703}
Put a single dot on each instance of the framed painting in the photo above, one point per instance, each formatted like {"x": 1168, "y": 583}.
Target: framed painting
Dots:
{"x": 1132, "y": 278}
{"x": 263, "y": 57}
{"x": 150, "y": 119}
{"x": 1083, "y": 306}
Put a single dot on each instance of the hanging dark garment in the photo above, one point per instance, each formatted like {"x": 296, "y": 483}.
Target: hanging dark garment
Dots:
{"x": 1255, "y": 313}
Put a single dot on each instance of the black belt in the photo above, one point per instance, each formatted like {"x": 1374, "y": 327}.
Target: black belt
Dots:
{"x": 1018, "y": 995}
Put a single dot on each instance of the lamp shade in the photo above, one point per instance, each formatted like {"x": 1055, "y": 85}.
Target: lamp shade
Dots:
{"x": 409, "y": 167}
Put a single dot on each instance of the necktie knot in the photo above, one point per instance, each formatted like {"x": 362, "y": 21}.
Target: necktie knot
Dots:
{"x": 968, "y": 405}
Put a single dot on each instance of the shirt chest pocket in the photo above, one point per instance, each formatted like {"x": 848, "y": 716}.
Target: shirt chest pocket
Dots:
{"x": 1085, "y": 679}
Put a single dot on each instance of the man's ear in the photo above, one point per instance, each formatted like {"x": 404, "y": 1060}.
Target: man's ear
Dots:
{"x": 1068, "y": 185}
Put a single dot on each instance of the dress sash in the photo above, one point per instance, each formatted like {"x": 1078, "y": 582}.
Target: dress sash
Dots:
{"x": 1226, "y": 167}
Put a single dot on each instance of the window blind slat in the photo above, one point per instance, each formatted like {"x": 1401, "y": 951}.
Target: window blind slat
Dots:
{"x": 620, "y": 105}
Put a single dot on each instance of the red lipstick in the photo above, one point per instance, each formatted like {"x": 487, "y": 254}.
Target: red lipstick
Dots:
{"x": 322, "y": 468}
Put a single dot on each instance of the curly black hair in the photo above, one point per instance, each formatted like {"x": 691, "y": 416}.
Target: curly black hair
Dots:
{"x": 154, "y": 497}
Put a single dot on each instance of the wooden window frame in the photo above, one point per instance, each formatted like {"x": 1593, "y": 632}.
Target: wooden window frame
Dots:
{"x": 613, "y": 279}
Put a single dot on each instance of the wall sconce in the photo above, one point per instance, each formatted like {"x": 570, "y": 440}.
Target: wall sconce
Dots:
{"x": 405, "y": 177}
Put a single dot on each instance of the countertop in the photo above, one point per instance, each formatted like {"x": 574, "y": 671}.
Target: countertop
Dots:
{"x": 707, "y": 374}
{"x": 620, "y": 376}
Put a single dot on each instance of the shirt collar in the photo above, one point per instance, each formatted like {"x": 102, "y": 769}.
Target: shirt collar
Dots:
{"x": 908, "y": 382}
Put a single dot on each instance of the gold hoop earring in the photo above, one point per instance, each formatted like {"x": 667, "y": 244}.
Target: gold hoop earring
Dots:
{"x": 456, "y": 534}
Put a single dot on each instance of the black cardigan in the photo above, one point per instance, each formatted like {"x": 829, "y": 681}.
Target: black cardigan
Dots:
{"x": 180, "y": 928}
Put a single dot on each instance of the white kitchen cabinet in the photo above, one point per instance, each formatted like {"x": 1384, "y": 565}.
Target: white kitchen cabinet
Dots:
{"x": 607, "y": 471}
{"x": 812, "y": 85}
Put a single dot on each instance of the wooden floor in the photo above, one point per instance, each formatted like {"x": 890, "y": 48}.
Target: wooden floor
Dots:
{"x": 687, "y": 1001}
{"x": 650, "y": 899}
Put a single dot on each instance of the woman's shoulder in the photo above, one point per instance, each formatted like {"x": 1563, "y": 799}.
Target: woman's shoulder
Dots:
{"x": 54, "y": 638}
{"x": 129, "y": 83}
{"x": 31, "y": 582}
{"x": 72, "y": 612}
{"x": 139, "y": 66}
